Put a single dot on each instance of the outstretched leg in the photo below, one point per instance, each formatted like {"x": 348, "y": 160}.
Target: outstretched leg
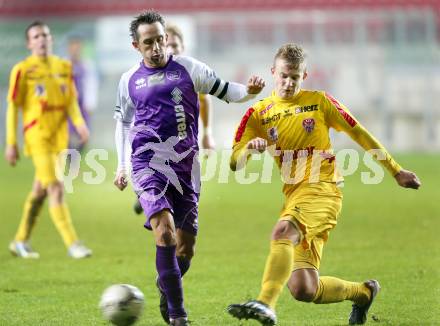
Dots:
{"x": 277, "y": 271}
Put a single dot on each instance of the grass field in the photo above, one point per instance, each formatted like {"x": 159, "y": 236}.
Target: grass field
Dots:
{"x": 384, "y": 232}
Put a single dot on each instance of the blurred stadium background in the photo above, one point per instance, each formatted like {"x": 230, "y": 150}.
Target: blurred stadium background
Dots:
{"x": 379, "y": 57}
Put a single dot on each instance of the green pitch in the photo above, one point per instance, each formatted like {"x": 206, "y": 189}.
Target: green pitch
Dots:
{"x": 384, "y": 232}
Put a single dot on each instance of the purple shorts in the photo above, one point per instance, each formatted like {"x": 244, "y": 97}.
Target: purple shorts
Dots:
{"x": 157, "y": 194}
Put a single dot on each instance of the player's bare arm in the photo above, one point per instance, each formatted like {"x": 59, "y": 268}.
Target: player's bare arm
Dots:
{"x": 11, "y": 154}
{"x": 121, "y": 180}
{"x": 255, "y": 85}
{"x": 407, "y": 179}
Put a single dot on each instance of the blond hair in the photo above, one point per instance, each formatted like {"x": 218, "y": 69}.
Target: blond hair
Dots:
{"x": 174, "y": 30}
{"x": 294, "y": 54}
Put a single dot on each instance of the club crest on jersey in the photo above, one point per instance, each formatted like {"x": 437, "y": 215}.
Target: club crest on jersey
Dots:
{"x": 173, "y": 75}
{"x": 156, "y": 79}
{"x": 141, "y": 82}
{"x": 308, "y": 125}
{"x": 273, "y": 133}
{"x": 39, "y": 89}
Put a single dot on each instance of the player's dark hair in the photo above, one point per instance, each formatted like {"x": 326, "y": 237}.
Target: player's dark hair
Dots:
{"x": 33, "y": 24}
{"x": 147, "y": 17}
{"x": 293, "y": 53}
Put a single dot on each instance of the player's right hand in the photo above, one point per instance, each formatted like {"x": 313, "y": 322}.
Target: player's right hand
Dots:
{"x": 121, "y": 180}
{"x": 11, "y": 154}
{"x": 255, "y": 85}
{"x": 257, "y": 143}
{"x": 407, "y": 179}
{"x": 83, "y": 133}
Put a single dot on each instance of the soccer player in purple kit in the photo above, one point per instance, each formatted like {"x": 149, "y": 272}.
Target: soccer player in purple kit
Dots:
{"x": 157, "y": 108}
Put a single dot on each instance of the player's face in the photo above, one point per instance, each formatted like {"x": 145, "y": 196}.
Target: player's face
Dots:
{"x": 39, "y": 41}
{"x": 288, "y": 78}
{"x": 151, "y": 44}
{"x": 174, "y": 44}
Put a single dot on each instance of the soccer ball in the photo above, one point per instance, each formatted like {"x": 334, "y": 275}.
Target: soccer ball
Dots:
{"x": 122, "y": 304}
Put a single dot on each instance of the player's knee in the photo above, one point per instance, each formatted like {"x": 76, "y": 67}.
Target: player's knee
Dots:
{"x": 302, "y": 292}
{"x": 39, "y": 195}
{"x": 285, "y": 230}
{"x": 38, "y": 192}
{"x": 56, "y": 191}
{"x": 186, "y": 252}
{"x": 167, "y": 236}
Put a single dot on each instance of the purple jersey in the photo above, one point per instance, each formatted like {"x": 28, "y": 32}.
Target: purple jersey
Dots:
{"x": 162, "y": 104}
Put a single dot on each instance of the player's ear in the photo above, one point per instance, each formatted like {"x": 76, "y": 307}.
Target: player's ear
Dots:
{"x": 305, "y": 74}
{"x": 272, "y": 70}
{"x": 135, "y": 45}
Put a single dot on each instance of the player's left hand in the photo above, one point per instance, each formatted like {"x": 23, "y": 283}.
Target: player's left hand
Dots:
{"x": 257, "y": 143}
{"x": 121, "y": 180}
{"x": 11, "y": 154}
{"x": 407, "y": 179}
{"x": 255, "y": 85}
{"x": 208, "y": 144}
{"x": 83, "y": 133}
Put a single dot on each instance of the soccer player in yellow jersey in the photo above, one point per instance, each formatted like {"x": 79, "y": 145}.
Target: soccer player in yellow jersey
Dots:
{"x": 42, "y": 87}
{"x": 293, "y": 125}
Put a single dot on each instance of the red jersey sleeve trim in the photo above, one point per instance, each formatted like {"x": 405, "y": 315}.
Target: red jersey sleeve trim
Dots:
{"x": 243, "y": 123}
{"x": 29, "y": 125}
{"x": 347, "y": 117}
{"x": 17, "y": 80}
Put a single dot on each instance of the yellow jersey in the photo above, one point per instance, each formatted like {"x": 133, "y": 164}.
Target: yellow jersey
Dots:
{"x": 43, "y": 89}
{"x": 297, "y": 132}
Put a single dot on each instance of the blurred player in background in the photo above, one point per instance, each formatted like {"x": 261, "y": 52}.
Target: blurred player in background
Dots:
{"x": 175, "y": 46}
{"x": 41, "y": 86}
{"x": 160, "y": 96}
{"x": 293, "y": 125}
{"x": 86, "y": 83}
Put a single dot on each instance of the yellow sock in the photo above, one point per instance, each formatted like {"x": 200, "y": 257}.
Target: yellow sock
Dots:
{"x": 332, "y": 289}
{"x": 61, "y": 218}
{"x": 31, "y": 210}
{"x": 278, "y": 269}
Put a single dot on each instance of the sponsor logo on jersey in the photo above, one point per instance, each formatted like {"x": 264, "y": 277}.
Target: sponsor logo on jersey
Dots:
{"x": 181, "y": 121}
{"x": 267, "y": 108}
{"x": 307, "y": 108}
{"x": 270, "y": 119}
{"x": 141, "y": 82}
{"x": 273, "y": 133}
{"x": 173, "y": 75}
{"x": 287, "y": 113}
{"x": 39, "y": 89}
{"x": 177, "y": 95}
{"x": 308, "y": 125}
{"x": 156, "y": 79}
{"x": 180, "y": 113}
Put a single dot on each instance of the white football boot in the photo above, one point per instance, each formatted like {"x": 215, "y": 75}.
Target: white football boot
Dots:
{"x": 77, "y": 250}
{"x": 23, "y": 250}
